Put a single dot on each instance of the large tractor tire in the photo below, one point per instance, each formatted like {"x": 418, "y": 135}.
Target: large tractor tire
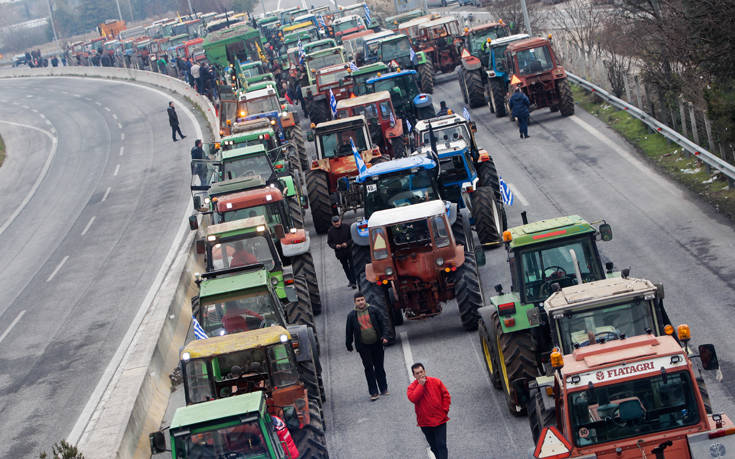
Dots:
{"x": 309, "y": 374}
{"x": 375, "y": 296}
{"x": 296, "y": 212}
{"x": 468, "y": 292}
{"x": 300, "y": 312}
{"x": 538, "y": 417}
{"x": 398, "y": 146}
{"x": 487, "y": 212}
{"x": 360, "y": 257}
{"x": 304, "y": 265}
{"x": 317, "y": 187}
{"x": 490, "y": 357}
{"x": 566, "y": 100}
{"x": 517, "y": 361}
{"x": 319, "y": 112}
{"x": 297, "y": 137}
{"x": 498, "y": 97}
{"x": 310, "y": 439}
{"x": 426, "y": 77}
{"x": 474, "y": 88}
{"x": 488, "y": 176}
{"x": 462, "y": 83}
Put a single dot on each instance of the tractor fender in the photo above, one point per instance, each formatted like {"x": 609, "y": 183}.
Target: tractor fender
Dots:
{"x": 360, "y": 235}
{"x": 304, "y": 338}
{"x": 370, "y": 273}
{"x": 486, "y": 314}
{"x": 395, "y": 131}
{"x": 288, "y": 120}
{"x": 421, "y": 58}
{"x": 451, "y": 212}
{"x": 297, "y": 243}
{"x": 483, "y": 156}
{"x": 471, "y": 63}
{"x": 287, "y": 181}
{"x": 321, "y": 164}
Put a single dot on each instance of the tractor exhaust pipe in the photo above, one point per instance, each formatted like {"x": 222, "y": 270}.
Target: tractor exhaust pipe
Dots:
{"x": 524, "y": 217}
{"x": 577, "y": 271}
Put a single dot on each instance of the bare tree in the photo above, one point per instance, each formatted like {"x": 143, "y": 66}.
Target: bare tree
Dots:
{"x": 580, "y": 22}
{"x": 616, "y": 44}
{"x": 511, "y": 13}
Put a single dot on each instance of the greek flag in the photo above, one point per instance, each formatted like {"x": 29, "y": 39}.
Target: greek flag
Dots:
{"x": 322, "y": 24}
{"x": 506, "y": 192}
{"x": 353, "y": 67}
{"x": 361, "y": 167}
{"x": 392, "y": 119}
{"x": 333, "y": 105}
{"x": 301, "y": 52}
{"x": 301, "y": 46}
{"x": 367, "y": 14}
{"x": 199, "y": 332}
{"x": 466, "y": 114}
{"x": 412, "y": 54}
{"x": 408, "y": 125}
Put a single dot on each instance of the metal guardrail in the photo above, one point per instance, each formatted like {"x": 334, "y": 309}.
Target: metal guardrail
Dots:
{"x": 710, "y": 160}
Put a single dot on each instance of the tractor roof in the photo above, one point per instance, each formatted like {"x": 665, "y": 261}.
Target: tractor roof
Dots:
{"x": 407, "y": 213}
{"x": 257, "y": 94}
{"x": 379, "y": 35}
{"x": 220, "y": 345}
{"x": 232, "y": 284}
{"x": 244, "y": 151}
{"x": 249, "y": 198}
{"x": 350, "y": 17}
{"x": 187, "y": 416}
{"x": 440, "y": 122}
{"x": 230, "y": 34}
{"x": 489, "y": 25}
{"x": 358, "y": 34}
{"x": 397, "y": 165}
{"x": 324, "y": 52}
{"x": 598, "y": 293}
{"x": 394, "y": 37}
{"x": 236, "y": 184}
{"x": 416, "y": 21}
{"x": 508, "y": 39}
{"x": 387, "y": 76}
{"x": 550, "y": 229}
{"x": 363, "y": 100}
{"x": 228, "y": 227}
{"x": 369, "y": 68}
{"x": 528, "y": 43}
{"x": 437, "y": 22}
{"x": 349, "y": 121}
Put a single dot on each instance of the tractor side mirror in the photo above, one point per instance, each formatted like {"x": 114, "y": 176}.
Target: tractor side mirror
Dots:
{"x": 280, "y": 232}
{"x": 499, "y": 289}
{"x": 197, "y": 202}
{"x": 606, "y": 232}
{"x": 310, "y": 136}
{"x": 708, "y": 356}
{"x": 158, "y": 442}
{"x": 343, "y": 184}
{"x": 193, "y": 223}
{"x": 480, "y": 256}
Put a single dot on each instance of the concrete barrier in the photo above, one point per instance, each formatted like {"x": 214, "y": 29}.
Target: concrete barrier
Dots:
{"x": 171, "y": 84}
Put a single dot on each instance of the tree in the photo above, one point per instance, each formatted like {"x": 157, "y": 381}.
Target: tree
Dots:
{"x": 511, "y": 13}
{"x": 580, "y": 22}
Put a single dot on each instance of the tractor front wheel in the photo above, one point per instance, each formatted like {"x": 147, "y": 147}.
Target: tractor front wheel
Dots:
{"x": 487, "y": 212}
{"x": 517, "y": 360}
{"x": 468, "y": 292}
{"x": 317, "y": 186}
{"x": 304, "y": 265}
{"x": 566, "y": 101}
{"x": 474, "y": 89}
{"x": 297, "y": 136}
{"x": 498, "y": 97}
{"x": 296, "y": 211}
{"x": 488, "y": 175}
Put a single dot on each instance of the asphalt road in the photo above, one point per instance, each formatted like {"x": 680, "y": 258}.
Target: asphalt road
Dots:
{"x": 93, "y": 194}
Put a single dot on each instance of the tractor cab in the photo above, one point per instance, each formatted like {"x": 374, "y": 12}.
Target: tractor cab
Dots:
{"x": 256, "y": 199}
{"x": 322, "y": 58}
{"x": 477, "y": 39}
{"x": 250, "y": 69}
{"x": 386, "y": 128}
{"x": 251, "y": 161}
{"x": 396, "y": 52}
{"x": 364, "y": 73}
{"x": 440, "y": 39}
{"x": 353, "y": 45}
{"x": 264, "y": 103}
{"x": 371, "y": 46}
{"x": 404, "y": 92}
{"x": 347, "y": 25}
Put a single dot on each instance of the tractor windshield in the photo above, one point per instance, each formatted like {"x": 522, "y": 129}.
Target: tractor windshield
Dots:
{"x": 542, "y": 266}
{"x": 337, "y": 144}
{"x": 325, "y": 61}
{"x": 241, "y": 440}
{"x": 534, "y": 60}
{"x": 251, "y": 71}
{"x": 410, "y": 234}
{"x": 455, "y": 168}
{"x": 248, "y": 166}
{"x": 239, "y": 314}
{"x": 331, "y": 78}
{"x": 359, "y": 80}
{"x": 624, "y": 410}
{"x": 262, "y": 105}
{"x": 271, "y": 212}
{"x": 580, "y": 328}
{"x": 346, "y": 25}
{"x": 447, "y": 134}
{"x": 241, "y": 252}
{"x": 390, "y": 191}
{"x": 402, "y": 89}
{"x": 479, "y": 38}
{"x": 395, "y": 48}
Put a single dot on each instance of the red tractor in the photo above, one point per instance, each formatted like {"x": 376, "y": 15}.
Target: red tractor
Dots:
{"x": 440, "y": 40}
{"x": 533, "y": 65}
{"x": 386, "y": 129}
{"x": 336, "y": 78}
{"x": 417, "y": 264}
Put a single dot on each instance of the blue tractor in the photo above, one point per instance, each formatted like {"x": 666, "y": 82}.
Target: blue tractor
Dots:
{"x": 497, "y": 74}
{"x": 410, "y": 104}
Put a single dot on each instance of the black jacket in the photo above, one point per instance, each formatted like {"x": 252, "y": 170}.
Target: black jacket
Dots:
{"x": 338, "y": 236}
{"x": 173, "y": 119}
{"x": 519, "y": 104}
{"x": 352, "y": 331}
{"x": 197, "y": 153}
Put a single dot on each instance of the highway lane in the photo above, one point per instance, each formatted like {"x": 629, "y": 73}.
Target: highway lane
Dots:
{"x": 81, "y": 256}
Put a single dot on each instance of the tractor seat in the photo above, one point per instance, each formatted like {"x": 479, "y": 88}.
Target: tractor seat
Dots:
{"x": 631, "y": 410}
{"x": 234, "y": 323}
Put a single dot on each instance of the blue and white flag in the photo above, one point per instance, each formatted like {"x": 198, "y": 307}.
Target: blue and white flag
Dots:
{"x": 408, "y": 125}
{"x": 322, "y": 24}
{"x": 361, "y": 167}
{"x": 332, "y": 103}
{"x": 367, "y": 14}
{"x": 301, "y": 46}
{"x": 466, "y": 114}
{"x": 354, "y": 67}
{"x": 199, "y": 332}
{"x": 412, "y": 54}
{"x": 506, "y": 192}
{"x": 392, "y": 119}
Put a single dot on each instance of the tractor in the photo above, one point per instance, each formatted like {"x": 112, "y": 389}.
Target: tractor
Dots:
{"x": 364, "y": 73}
{"x": 371, "y": 46}
{"x": 417, "y": 264}
{"x": 628, "y": 398}
{"x": 496, "y": 74}
{"x": 475, "y": 56}
{"x": 331, "y": 181}
{"x": 274, "y": 360}
{"x": 347, "y": 25}
{"x": 439, "y": 39}
{"x": 513, "y": 328}
{"x": 395, "y": 50}
{"x": 353, "y": 44}
{"x": 330, "y": 81}
{"x": 239, "y": 426}
{"x": 386, "y": 129}
{"x": 410, "y": 104}
{"x": 467, "y": 173}
{"x": 533, "y": 65}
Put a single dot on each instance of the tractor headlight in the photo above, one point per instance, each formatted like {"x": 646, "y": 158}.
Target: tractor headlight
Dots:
{"x": 185, "y": 356}
{"x": 284, "y": 338}
{"x": 388, "y": 271}
{"x": 440, "y": 261}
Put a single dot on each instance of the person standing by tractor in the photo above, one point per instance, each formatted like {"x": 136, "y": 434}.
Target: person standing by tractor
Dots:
{"x": 366, "y": 326}
{"x": 340, "y": 240}
{"x": 173, "y": 120}
{"x": 519, "y": 107}
{"x": 431, "y": 401}
{"x": 443, "y": 110}
{"x": 198, "y": 167}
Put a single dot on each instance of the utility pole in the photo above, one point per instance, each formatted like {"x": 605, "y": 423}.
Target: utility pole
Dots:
{"x": 51, "y": 19}
{"x": 525, "y": 17}
{"x": 191, "y": 10}
{"x": 132, "y": 16}
{"x": 119, "y": 11}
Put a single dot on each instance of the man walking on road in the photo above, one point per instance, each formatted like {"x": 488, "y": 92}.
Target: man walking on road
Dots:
{"x": 340, "y": 240}
{"x": 431, "y": 401}
{"x": 173, "y": 120}
{"x": 366, "y": 326}
{"x": 519, "y": 105}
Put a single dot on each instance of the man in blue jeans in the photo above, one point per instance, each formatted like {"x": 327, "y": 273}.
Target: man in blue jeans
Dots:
{"x": 519, "y": 106}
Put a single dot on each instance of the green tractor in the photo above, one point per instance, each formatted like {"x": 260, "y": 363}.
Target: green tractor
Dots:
{"x": 410, "y": 104}
{"x": 514, "y": 330}
{"x": 364, "y": 73}
{"x": 395, "y": 50}
{"x": 474, "y": 57}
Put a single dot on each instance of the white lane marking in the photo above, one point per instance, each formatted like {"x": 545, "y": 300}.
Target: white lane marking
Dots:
{"x": 122, "y": 136}
{"x": 25, "y": 106}
{"x": 122, "y": 151}
{"x": 39, "y": 178}
{"x": 29, "y": 95}
{"x": 407, "y": 354}
{"x": 53, "y": 130}
{"x": 518, "y": 195}
{"x": 86, "y": 228}
{"x": 119, "y": 125}
{"x": 114, "y": 116}
{"x": 117, "y": 169}
{"x": 58, "y": 268}
{"x": 12, "y": 324}
{"x": 98, "y": 103}
{"x": 47, "y": 121}
{"x": 107, "y": 193}
{"x": 78, "y": 95}
{"x": 108, "y": 109}
{"x": 36, "y": 111}
{"x": 278, "y": 6}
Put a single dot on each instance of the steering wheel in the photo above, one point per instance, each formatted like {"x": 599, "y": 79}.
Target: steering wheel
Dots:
{"x": 606, "y": 335}
{"x": 403, "y": 196}
{"x": 555, "y": 274}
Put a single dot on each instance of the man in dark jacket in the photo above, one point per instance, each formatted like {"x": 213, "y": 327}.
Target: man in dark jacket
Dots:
{"x": 519, "y": 106}
{"x": 443, "y": 110}
{"x": 198, "y": 166}
{"x": 340, "y": 240}
{"x": 173, "y": 120}
{"x": 366, "y": 326}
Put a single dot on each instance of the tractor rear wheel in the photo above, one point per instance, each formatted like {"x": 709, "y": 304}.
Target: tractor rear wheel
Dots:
{"x": 398, "y": 146}
{"x": 468, "y": 292}
{"x": 360, "y": 257}
{"x": 317, "y": 186}
{"x": 426, "y": 77}
{"x": 474, "y": 88}
{"x": 538, "y": 417}
{"x": 310, "y": 377}
{"x": 296, "y": 211}
{"x": 488, "y": 353}
{"x": 498, "y": 97}
{"x": 566, "y": 100}
{"x": 297, "y": 136}
{"x": 300, "y": 312}
{"x": 462, "y": 83}
{"x": 304, "y": 265}
{"x": 486, "y": 210}
{"x": 375, "y": 296}
{"x": 517, "y": 361}
{"x": 488, "y": 175}
{"x": 310, "y": 439}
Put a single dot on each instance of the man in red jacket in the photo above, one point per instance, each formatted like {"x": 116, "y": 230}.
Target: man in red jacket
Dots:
{"x": 431, "y": 401}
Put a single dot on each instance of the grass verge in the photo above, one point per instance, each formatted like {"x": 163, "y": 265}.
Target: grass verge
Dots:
{"x": 666, "y": 156}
